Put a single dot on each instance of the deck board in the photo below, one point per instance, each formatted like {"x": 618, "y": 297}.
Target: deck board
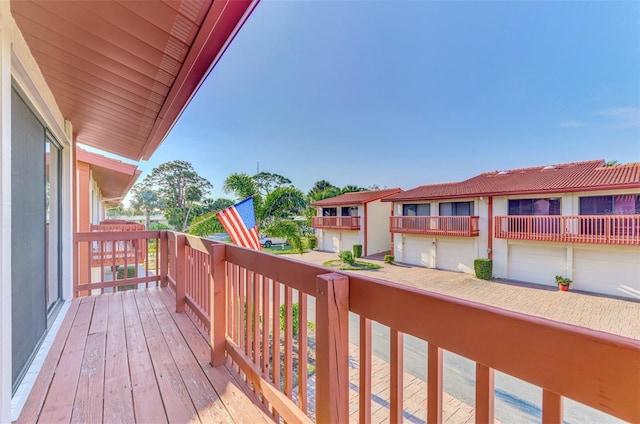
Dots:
{"x": 127, "y": 357}
{"x": 118, "y": 402}
{"x": 38, "y": 394}
{"x": 147, "y": 401}
{"x": 58, "y": 405}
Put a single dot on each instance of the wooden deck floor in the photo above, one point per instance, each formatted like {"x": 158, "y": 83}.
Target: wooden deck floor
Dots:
{"x": 128, "y": 357}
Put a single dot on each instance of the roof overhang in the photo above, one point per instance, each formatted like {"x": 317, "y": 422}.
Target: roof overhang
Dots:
{"x": 123, "y": 72}
{"x": 114, "y": 178}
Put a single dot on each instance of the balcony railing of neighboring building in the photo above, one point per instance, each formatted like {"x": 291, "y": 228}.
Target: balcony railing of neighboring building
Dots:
{"x": 245, "y": 300}
{"x": 590, "y": 229}
{"x": 120, "y": 253}
{"x": 458, "y": 226}
{"x": 336, "y": 222}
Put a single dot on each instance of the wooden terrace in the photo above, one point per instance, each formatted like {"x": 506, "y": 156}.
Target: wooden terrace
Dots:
{"x": 129, "y": 357}
{"x": 210, "y": 333}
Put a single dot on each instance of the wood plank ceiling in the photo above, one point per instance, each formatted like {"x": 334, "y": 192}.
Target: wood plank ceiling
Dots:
{"x": 123, "y": 71}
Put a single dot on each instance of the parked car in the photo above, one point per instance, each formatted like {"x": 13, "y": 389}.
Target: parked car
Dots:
{"x": 267, "y": 241}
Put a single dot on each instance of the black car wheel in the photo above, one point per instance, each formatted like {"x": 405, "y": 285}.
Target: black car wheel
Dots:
{"x": 267, "y": 243}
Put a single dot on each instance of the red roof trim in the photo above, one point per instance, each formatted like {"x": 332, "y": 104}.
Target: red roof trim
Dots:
{"x": 356, "y": 197}
{"x": 105, "y": 162}
{"x": 219, "y": 28}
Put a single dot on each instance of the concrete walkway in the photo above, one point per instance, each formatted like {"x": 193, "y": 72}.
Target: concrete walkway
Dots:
{"x": 611, "y": 315}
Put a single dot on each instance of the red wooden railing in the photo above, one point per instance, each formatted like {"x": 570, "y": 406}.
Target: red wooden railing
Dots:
{"x": 591, "y": 229}
{"x": 336, "y": 222}
{"x": 140, "y": 253}
{"x": 130, "y": 251}
{"x": 458, "y": 226}
{"x": 245, "y": 300}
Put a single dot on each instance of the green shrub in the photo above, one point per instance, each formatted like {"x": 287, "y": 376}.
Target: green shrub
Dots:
{"x": 357, "y": 250}
{"x": 483, "y": 268}
{"x": 347, "y": 257}
{"x": 294, "y": 318}
{"x": 389, "y": 259}
{"x": 563, "y": 280}
{"x": 313, "y": 242}
{"x": 131, "y": 272}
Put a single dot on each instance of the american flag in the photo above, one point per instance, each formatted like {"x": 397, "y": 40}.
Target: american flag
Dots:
{"x": 240, "y": 222}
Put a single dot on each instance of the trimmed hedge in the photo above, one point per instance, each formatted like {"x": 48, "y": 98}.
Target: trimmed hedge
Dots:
{"x": 357, "y": 250}
{"x": 313, "y": 242}
{"x": 347, "y": 257}
{"x": 483, "y": 268}
{"x": 389, "y": 259}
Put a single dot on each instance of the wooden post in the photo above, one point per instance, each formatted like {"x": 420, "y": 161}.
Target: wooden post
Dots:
{"x": 180, "y": 272}
{"x": 332, "y": 360}
{"x": 218, "y": 293}
{"x": 484, "y": 394}
{"x": 163, "y": 257}
{"x": 434, "y": 384}
{"x": 551, "y": 407}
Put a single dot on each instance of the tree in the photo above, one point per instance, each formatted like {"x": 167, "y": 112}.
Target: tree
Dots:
{"x": 179, "y": 187}
{"x": 146, "y": 201}
{"x": 351, "y": 189}
{"x": 323, "y": 189}
{"x": 266, "y": 182}
{"x": 612, "y": 163}
{"x": 283, "y": 202}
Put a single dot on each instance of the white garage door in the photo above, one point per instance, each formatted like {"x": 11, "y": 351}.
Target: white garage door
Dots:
{"x": 455, "y": 254}
{"x": 416, "y": 251}
{"x": 330, "y": 241}
{"x": 536, "y": 263}
{"x": 348, "y": 240}
{"x": 613, "y": 272}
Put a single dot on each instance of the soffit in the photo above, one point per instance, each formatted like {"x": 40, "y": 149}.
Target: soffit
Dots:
{"x": 123, "y": 71}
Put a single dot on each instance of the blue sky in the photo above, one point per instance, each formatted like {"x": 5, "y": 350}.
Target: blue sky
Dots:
{"x": 406, "y": 93}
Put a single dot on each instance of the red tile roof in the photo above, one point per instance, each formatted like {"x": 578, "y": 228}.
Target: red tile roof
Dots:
{"x": 566, "y": 177}
{"x": 357, "y": 197}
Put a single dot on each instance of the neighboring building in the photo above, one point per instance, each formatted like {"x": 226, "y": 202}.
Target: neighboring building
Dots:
{"x": 114, "y": 76}
{"x": 580, "y": 220}
{"x": 101, "y": 182}
{"x": 354, "y": 218}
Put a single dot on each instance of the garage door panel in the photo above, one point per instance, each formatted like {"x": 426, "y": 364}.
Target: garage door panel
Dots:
{"x": 612, "y": 272}
{"x": 536, "y": 264}
{"x": 348, "y": 240}
{"x": 416, "y": 251}
{"x": 330, "y": 241}
{"x": 456, "y": 255}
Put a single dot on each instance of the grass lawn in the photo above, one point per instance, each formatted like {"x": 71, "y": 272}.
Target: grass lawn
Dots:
{"x": 281, "y": 250}
{"x": 357, "y": 266}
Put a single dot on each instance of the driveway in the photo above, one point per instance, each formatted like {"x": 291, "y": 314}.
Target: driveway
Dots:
{"x": 598, "y": 312}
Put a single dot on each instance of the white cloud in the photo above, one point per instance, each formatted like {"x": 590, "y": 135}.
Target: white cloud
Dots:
{"x": 626, "y": 117}
{"x": 571, "y": 124}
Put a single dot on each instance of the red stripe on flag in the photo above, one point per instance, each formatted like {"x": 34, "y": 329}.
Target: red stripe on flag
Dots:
{"x": 240, "y": 235}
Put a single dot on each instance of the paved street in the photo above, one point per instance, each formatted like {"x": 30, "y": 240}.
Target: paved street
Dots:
{"x": 516, "y": 401}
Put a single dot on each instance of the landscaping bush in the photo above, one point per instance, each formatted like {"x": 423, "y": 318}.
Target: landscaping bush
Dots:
{"x": 483, "y": 268}
{"x": 389, "y": 259}
{"x": 294, "y": 318}
{"x": 131, "y": 273}
{"x": 313, "y": 242}
{"x": 357, "y": 250}
{"x": 347, "y": 257}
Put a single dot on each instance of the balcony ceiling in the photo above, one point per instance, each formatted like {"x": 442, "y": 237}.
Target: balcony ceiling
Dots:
{"x": 123, "y": 71}
{"x": 114, "y": 178}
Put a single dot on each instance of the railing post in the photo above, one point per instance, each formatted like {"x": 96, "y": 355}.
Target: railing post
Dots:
{"x": 332, "y": 360}
{"x": 218, "y": 314}
{"x": 551, "y": 407}
{"x": 484, "y": 394}
{"x": 179, "y": 251}
{"x": 164, "y": 258}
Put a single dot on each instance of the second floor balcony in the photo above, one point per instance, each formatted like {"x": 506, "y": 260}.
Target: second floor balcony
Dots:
{"x": 336, "y": 222}
{"x": 204, "y": 331}
{"x": 456, "y": 226}
{"x": 588, "y": 229}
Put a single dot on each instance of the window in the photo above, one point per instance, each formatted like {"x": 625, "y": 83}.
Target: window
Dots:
{"x": 456, "y": 209}
{"x": 624, "y": 204}
{"x": 421, "y": 209}
{"x": 329, "y": 212}
{"x": 349, "y": 211}
{"x": 541, "y": 207}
